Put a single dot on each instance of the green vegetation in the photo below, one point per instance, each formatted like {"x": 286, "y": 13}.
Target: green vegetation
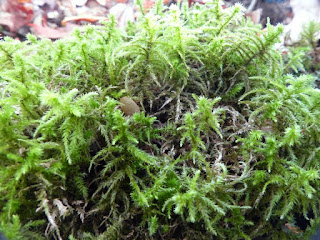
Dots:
{"x": 306, "y": 51}
{"x": 226, "y": 145}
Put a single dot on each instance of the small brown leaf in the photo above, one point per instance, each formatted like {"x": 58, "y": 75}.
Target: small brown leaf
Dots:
{"x": 129, "y": 107}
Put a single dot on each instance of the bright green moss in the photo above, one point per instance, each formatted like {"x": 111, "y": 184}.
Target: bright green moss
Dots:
{"x": 226, "y": 145}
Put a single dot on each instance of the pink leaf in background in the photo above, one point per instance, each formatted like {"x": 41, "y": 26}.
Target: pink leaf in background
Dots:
{"x": 52, "y": 33}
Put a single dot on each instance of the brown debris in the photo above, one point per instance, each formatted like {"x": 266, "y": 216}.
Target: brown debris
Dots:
{"x": 129, "y": 107}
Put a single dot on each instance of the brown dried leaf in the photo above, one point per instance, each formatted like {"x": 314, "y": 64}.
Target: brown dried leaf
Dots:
{"x": 16, "y": 15}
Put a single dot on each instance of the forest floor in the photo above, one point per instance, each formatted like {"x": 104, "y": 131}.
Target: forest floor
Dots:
{"x": 57, "y": 19}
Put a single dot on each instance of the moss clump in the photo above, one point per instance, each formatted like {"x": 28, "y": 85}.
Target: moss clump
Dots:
{"x": 225, "y": 146}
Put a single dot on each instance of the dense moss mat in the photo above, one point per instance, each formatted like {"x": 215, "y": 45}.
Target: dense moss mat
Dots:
{"x": 225, "y": 144}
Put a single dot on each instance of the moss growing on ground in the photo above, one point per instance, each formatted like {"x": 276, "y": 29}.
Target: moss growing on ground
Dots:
{"x": 224, "y": 143}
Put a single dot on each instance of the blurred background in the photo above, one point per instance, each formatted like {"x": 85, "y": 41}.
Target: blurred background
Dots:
{"x": 56, "y": 19}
